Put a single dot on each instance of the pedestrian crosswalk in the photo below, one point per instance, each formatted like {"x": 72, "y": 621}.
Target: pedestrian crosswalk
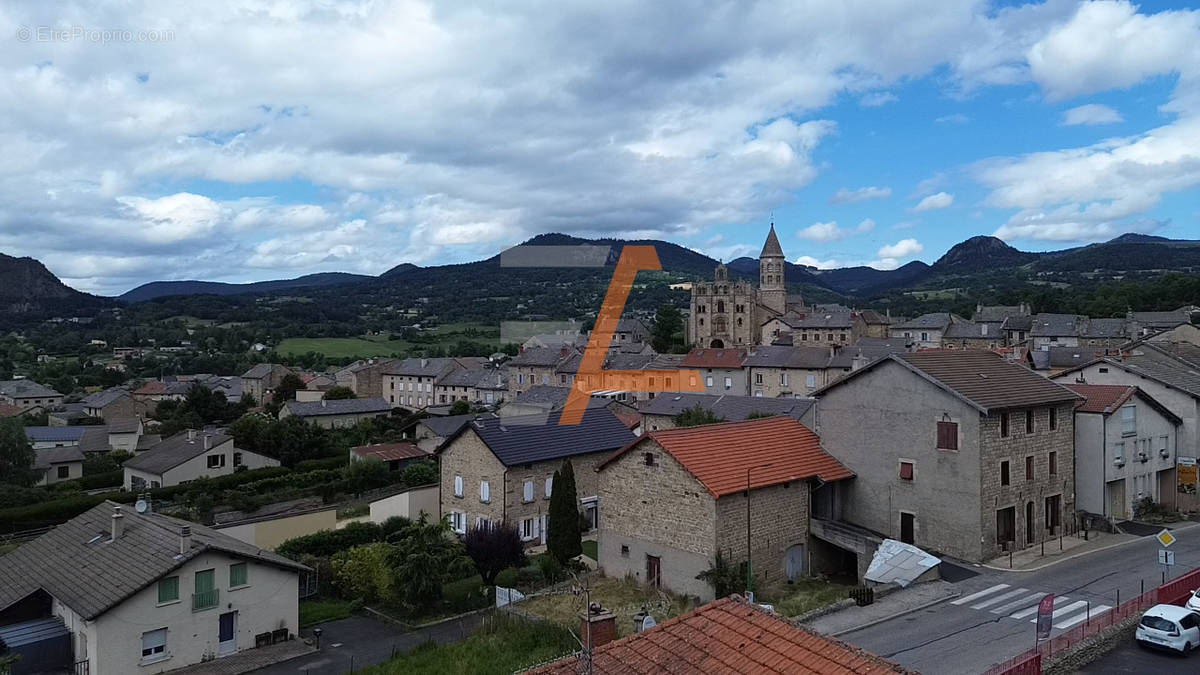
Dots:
{"x": 1022, "y": 603}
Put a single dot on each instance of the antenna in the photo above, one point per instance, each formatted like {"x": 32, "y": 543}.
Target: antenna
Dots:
{"x": 140, "y": 506}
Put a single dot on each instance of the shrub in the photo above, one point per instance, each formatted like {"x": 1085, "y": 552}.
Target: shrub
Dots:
{"x": 423, "y": 472}
{"x": 324, "y": 464}
{"x": 328, "y": 542}
{"x": 366, "y": 572}
{"x": 724, "y": 578}
{"x": 494, "y": 548}
{"x": 100, "y": 480}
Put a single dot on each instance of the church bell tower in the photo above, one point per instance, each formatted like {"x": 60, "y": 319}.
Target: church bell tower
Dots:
{"x": 772, "y": 291}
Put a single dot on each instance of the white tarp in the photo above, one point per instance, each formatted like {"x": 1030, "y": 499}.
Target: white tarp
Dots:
{"x": 899, "y": 563}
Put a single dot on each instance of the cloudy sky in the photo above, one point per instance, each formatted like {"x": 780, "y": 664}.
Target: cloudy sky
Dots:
{"x": 248, "y": 140}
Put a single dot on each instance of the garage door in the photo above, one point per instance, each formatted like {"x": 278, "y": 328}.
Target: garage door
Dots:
{"x": 1116, "y": 499}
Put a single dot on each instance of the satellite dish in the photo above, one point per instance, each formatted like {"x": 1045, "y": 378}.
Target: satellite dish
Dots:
{"x": 140, "y": 506}
{"x": 648, "y": 622}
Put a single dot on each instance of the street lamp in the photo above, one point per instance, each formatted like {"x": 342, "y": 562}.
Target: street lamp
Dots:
{"x": 749, "y": 573}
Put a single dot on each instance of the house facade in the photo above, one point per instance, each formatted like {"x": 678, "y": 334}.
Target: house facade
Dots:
{"x": 536, "y": 366}
{"x": 187, "y": 456}
{"x": 114, "y": 404}
{"x": 672, "y": 499}
{"x": 59, "y": 464}
{"x": 338, "y": 413}
{"x": 364, "y": 378}
{"x": 956, "y": 451}
{"x": 145, "y": 593}
{"x": 925, "y": 331}
{"x": 721, "y": 370}
{"x": 1125, "y": 450}
{"x": 262, "y": 379}
{"x": 660, "y": 413}
{"x": 27, "y": 395}
{"x": 501, "y": 469}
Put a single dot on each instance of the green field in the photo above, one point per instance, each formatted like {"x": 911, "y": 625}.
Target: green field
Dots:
{"x": 368, "y": 346}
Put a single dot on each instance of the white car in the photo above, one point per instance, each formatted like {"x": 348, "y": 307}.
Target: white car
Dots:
{"x": 1193, "y": 602}
{"x": 1169, "y": 627}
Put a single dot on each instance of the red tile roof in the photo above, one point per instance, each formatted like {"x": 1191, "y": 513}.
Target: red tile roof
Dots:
{"x": 7, "y": 410}
{"x": 151, "y": 388}
{"x": 726, "y": 637}
{"x": 714, "y": 358}
{"x": 719, "y": 454}
{"x": 1102, "y": 398}
{"x": 387, "y": 452}
{"x": 630, "y": 420}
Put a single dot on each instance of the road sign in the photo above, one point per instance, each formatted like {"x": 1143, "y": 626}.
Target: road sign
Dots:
{"x": 1045, "y": 612}
{"x": 1166, "y": 557}
{"x": 1165, "y": 538}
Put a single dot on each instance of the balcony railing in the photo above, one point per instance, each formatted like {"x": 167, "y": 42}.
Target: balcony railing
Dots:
{"x": 205, "y": 600}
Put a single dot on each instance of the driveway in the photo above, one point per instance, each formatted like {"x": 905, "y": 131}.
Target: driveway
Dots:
{"x": 348, "y": 645}
{"x": 1128, "y": 657}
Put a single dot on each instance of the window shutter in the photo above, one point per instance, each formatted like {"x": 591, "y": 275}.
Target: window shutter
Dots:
{"x": 485, "y": 491}
{"x": 549, "y": 486}
{"x": 458, "y": 487}
{"x": 528, "y": 490}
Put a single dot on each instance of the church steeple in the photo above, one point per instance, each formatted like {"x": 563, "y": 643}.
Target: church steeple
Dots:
{"x": 771, "y": 264}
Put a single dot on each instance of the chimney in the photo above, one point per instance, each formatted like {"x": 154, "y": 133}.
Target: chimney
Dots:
{"x": 191, "y": 435}
{"x": 323, "y": 403}
{"x": 185, "y": 539}
{"x": 207, "y": 442}
{"x": 424, "y": 362}
{"x": 118, "y": 523}
{"x": 598, "y": 626}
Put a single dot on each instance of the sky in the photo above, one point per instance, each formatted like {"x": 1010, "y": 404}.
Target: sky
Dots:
{"x": 251, "y": 140}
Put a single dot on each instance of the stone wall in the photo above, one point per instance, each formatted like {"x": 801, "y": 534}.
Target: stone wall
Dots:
{"x": 469, "y": 457}
{"x": 778, "y": 521}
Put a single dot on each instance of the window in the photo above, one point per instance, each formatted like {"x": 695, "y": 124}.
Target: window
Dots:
{"x": 947, "y": 435}
{"x": 545, "y": 379}
{"x": 804, "y": 337}
{"x": 829, "y": 337}
{"x": 154, "y": 645}
{"x": 239, "y": 575}
{"x": 549, "y": 486}
{"x": 485, "y": 491}
{"x": 1053, "y": 419}
{"x": 758, "y": 378}
{"x": 810, "y": 381}
{"x": 237, "y": 459}
{"x": 529, "y": 529}
{"x": 1029, "y": 421}
{"x": 1129, "y": 420}
{"x": 216, "y": 461}
{"x": 528, "y": 491}
{"x": 1029, "y": 468}
{"x": 520, "y": 378}
{"x": 729, "y": 383}
{"x": 168, "y": 590}
{"x": 458, "y": 486}
{"x": 648, "y": 459}
{"x": 906, "y": 470}
{"x": 458, "y": 521}
{"x": 624, "y": 550}
{"x": 1004, "y": 425}
{"x": 482, "y": 523}
{"x": 1004, "y": 480}
{"x": 1053, "y": 460}
{"x": 206, "y": 596}
{"x": 783, "y": 379}
{"x": 708, "y": 381}
{"x": 816, "y": 337}
{"x": 64, "y": 472}
{"x": 1119, "y": 452}
{"x": 1104, "y": 370}
{"x": 924, "y": 337}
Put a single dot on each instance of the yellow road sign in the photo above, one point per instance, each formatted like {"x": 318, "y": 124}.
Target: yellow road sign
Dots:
{"x": 1165, "y": 538}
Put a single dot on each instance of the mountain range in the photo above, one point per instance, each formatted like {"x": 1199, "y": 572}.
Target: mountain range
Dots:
{"x": 30, "y": 287}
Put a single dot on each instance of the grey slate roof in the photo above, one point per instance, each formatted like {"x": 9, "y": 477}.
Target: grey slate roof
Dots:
{"x": 101, "y": 399}
{"x": 780, "y": 356}
{"x": 1062, "y": 357}
{"x": 536, "y": 438}
{"x": 771, "y": 246}
{"x": 1161, "y": 366}
{"x": 818, "y": 319}
{"x": 1020, "y": 322}
{"x": 147, "y": 441}
{"x": 550, "y": 398}
{"x": 485, "y": 378}
{"x": 350, "y": 406}
{"x": 174, "y": 451}
{"x": 968, "y": 330}
{"x": 865, "y": 349}
{"x": 95, "y": 439}
{"x": 540, "y": 356}
{"x": 78, "y": 564}
{"x": 422, "y": 367}
{"x": 447, "y": 426}
{"x": 1106, "y": 328}
{"x": 631, "y": 326}
{"x": 54, "y": 434}
{"x": 124, "y": 426}
{"x": 997, "y": 313}
{"x": 729, "y": 408}
{"x": 47, "y": 457}
{"x": 1161, "y": 320}
{"x": 1057, "y": 325}
{"x": 25, "y": 389}
{"x": 259, "y": 371}
{"x": 933, "y": 320}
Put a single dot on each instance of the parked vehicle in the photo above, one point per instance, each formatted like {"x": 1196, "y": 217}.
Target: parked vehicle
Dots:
{"x": 1193, "y": 602}
{"x": 1169, "y": 627}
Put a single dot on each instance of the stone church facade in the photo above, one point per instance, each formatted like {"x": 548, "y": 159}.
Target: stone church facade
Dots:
{"x": 730, "y": 314}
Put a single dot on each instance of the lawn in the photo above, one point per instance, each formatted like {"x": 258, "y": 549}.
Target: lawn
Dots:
{"x": 590, "y": 547}
{"x": 319, "y": 611}
{"x": 804, "y": 595}
{"x": 337, "y": 348}
{"x": 503, "y": 644}
{"x": 623, "y": 597}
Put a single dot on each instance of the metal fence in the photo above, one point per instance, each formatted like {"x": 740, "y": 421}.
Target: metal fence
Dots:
{"x": 1029, "y": 663}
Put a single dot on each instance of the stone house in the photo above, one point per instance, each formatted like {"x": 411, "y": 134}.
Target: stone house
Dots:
{"x": 537, "y": 366}
{"x": 969, "y": 335}
{"x": 261, "y": 380}
{"x": 630, "y": 331}
{"x": 871, "y": 324}
{"x": 721, "y": 370}
{"x": 485, "y": 385}
{"x": 410, "y": 382}
{"x": 28, "y": 395}
{"x": 114, "y": 404}
{"x": 116, "y": 591}
{"x": 925, "y": 331}
{"x": 660, "y": 413}
{"x": 1125, "y": 450}
{"x": 812, "y": 327}
{"x": 955, "y": 451}
{"x": 1056, "y": 330}
{"x": 777, "y": 370}
{"x": 187, "y": 456}
{"x": 500, "y": 469}
{"x": 674, "y": 498}
{"x": 337, "y": 413}
{"x": 364, "y": 378}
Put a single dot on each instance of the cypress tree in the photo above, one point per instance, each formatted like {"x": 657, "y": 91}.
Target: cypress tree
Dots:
{"x": 564, "y": 539}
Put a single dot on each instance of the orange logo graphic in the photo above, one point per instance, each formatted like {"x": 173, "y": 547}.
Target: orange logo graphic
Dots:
{"x": 591, "y": 376}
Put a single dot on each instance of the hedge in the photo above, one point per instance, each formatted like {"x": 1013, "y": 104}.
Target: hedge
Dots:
{"x": 339, "y": 462}
{"x": 101, "y": 480}
{"x": 327, "y": 542}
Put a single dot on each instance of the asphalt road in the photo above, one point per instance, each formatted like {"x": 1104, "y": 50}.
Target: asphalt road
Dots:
{"x": 970, "y": 634}
{"x": 1130, "y": 658}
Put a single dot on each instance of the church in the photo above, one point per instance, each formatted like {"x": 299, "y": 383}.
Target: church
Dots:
{"x": 731, "y": 314}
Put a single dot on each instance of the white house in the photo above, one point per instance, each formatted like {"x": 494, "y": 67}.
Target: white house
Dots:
{"x": 59, "y": 463}
{"x": 187, "y": 456}
{"x": 1125, "y": 445}
{"x": 141, "y": 593}
{"x": 337, "y": 413}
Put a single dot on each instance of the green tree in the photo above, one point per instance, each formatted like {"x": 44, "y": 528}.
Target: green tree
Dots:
{"x": 759, "y": 414}
{"x": 493, "y": 549}
{"x": 423, "y": 472}
{"x": 17, "y": 455}
{"x": 288, "y": 386}
{"x": 367, "y": 474}
{"x": 460, "y": 407}
{"x": 365, "y": 572}
{"x": 426, "y": 558}
{"x": 667, "y": 323}
{"x": 564, "y": 538}
{"x": 339, "y": 393}
{"x": 696, "y": 416}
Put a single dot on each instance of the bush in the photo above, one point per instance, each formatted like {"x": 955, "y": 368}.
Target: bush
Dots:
{"x": 328, "y": 542}
{"x": 325, "y": 464}
{"x": 365, "y": 572}
{"x": 100, "y": 480}
{"x": 551, "y": 570}
{"x": 423, "y": 472}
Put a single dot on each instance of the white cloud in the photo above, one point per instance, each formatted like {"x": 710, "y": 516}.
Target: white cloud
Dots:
{"x": 953, "y": 118}
{"x": 819, "y": 264}
{"x": 1092, "y": 113}
{"x": 901, "y": 249}
{"x": 934, "y": 202}
{"x": 865, "y": 226}
{"x": 822, "y": 232}
{"x": 877, "y": 98}
{"x": 848, "y": 196}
